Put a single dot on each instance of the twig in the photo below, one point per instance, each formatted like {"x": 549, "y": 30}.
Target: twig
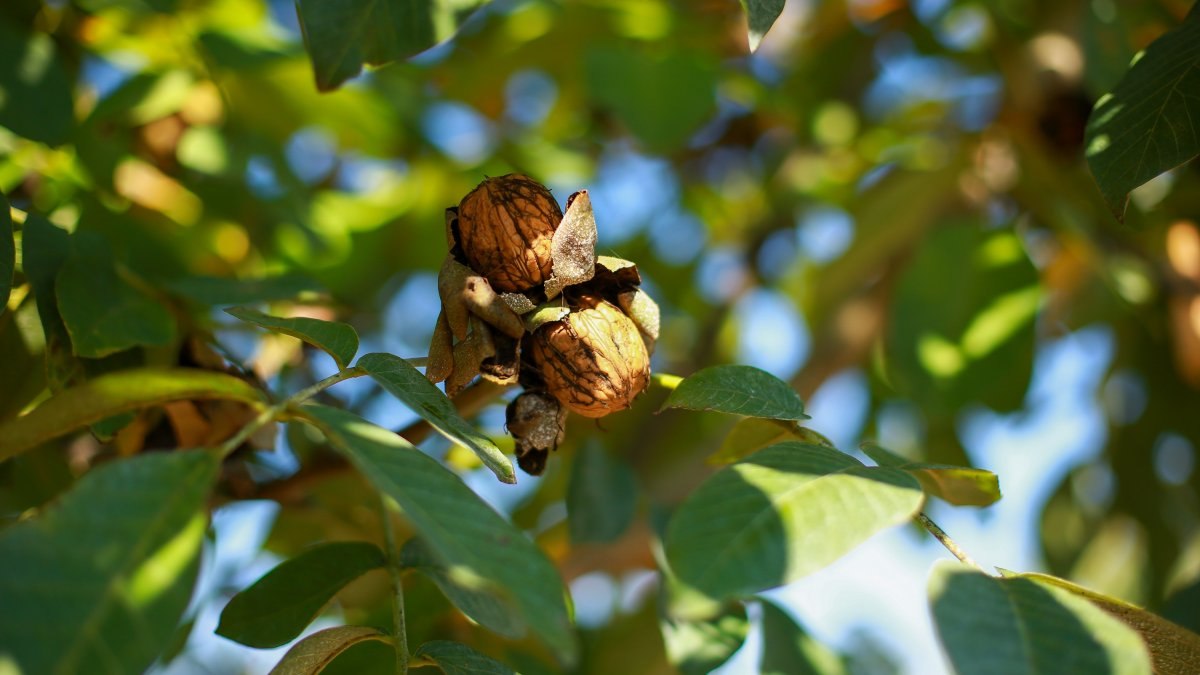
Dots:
{"x": 399, "y": 630}
{"x": 472, "y": 399}
{"x": 940, "y": 534}
{"x": 270, "y": 414}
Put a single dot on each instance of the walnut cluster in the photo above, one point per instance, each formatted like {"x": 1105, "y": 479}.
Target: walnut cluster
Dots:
{"x": 526, "y": 300}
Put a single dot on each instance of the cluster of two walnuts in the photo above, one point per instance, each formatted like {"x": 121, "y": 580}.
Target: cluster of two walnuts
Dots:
{"x": 526, "y": 300}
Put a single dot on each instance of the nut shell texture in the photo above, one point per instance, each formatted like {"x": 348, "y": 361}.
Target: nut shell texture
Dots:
{"x": 505, "y": 228}
{"x": 593, "y": 360}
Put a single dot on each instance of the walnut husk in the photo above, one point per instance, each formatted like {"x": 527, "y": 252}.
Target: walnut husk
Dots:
{"x": 593, "y": 361}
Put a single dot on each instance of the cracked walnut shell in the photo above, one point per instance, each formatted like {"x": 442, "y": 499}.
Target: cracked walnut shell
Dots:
{"x": 593, "y": 360}
{"x": 505, "y": 228}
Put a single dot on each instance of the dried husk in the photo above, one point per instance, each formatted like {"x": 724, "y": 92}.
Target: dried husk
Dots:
{"x": 593, "y": 361}
{"x": 537, "y": 424}
{"x": 505, "y": 230}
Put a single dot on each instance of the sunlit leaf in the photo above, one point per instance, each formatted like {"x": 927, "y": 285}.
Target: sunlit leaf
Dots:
{"x": 277, "y": 607}
{"x": 784, "y": 512}
{"x": 1018, "y": 626}
{"x": 223, "y": 291}
{"x": 335, "y": 338}
{"x": 35, "y": 93}
{"x": 1150, "y": 122}
{"x": 788, "y": 650}
{"x": 99, "y": 581}
{"x": 601, "y": 496}
{"x": 477, "y": 545}
{"x": 342, "y": 35}
{"x": 738, "y": 390}
{"x": 1173, "y": 648}
{"x": 755, "y": 433}
{"x": 114, "y": 393}
{"x": 310, "y": 655}
{"x": 458, "y": 659}
{"x": 103, "y": 313}
{"x": 483, "y": 605}
{"x": 407, "y": 383}
{"x": 697, "y": 647}
{"x": 959, "y": 485}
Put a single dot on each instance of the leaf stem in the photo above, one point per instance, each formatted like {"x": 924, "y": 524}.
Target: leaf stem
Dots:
{"x": 952, "y": 546}
{"x": 393, "y": 567}
{"x": 271, "y": 413}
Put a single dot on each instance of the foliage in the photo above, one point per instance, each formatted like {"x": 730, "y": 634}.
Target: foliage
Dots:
{"x": 208, "y": 209}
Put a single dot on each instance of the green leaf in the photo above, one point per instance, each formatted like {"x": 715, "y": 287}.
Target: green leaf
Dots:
{"x": 223, "y": 291}
{"x": 35, "y": 92}
{"x": 44, "y": 249}
{"x": 784, "y": 512}
{"x": 738, "y": 390}
{"x": 697, "y": 647}
{"x": 99, "y": 581}
{"x": 482, "y": 605}
{"x": 959, "y": 485}
{"x": 755, "y": 433}
{"x": 458, "y": 659}
{"x": 946, "y": 350}
{"x": 1173, "y": 648}
{"x": 661, "y": 96}
{"x": 337, "y": 339}
{"x": 342, "y": 35}
{"x": 280, "y": 605}
{"x": 406, "y": 383}
{"x": 1150, "y": 122}
{"x": 8, "y": 253}
{"x": 601, "y": 496}
{"x": 114, "y": 393}
{"x": 102, "y": 312}
{"x": 761, "y": 15}
{"x": 472, "y": 539}
{"x": 310, "y": 655}
{"x": 788, "y": 650}
{"x": 1017, "y": 626}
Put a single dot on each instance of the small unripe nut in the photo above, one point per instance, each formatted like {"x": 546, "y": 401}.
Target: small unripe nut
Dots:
{"x": 593, "y": 360}
{"x": 505, "y": 228}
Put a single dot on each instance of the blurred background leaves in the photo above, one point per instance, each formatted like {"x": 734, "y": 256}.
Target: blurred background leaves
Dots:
{"x": 887, "y": 204}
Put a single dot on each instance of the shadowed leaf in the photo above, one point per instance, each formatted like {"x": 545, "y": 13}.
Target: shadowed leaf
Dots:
{"x": 1173, "y": 648}
{"x": 1015, "y": 625}
{"x": 342, "y": 35}
{"x": 280, "y": 605}
{"x": 738, "y": 390}
{"x": 458, "y": 659}
{"x": 103, "y": 313}
{"x": 1150, "y": 122}
{"x": 474, "y": 542}
{"x": 484, "y": 605}
{"x": 99, "y": 581}
{"x": 407, "y": 383}
{"x": 335, "y": 338}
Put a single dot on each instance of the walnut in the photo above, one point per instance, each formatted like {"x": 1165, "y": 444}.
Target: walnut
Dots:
{"x": 593, "y": 360}
{"x": 505, "y": 229}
